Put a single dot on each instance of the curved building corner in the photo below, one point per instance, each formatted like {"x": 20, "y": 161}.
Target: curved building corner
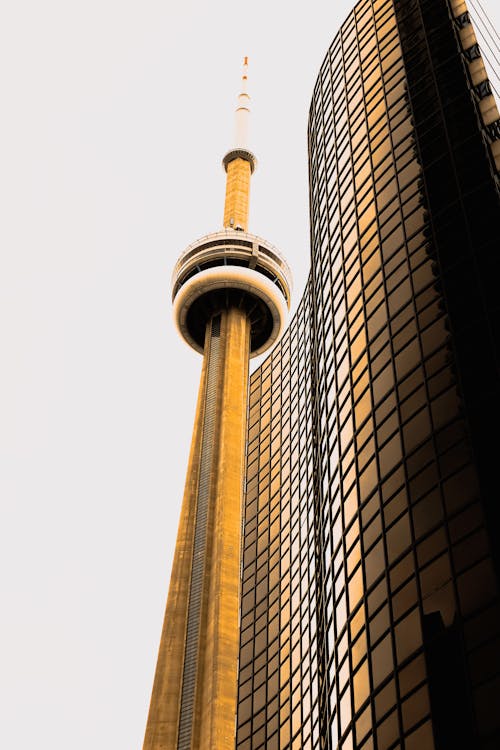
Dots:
{"x": 370, "y": 612}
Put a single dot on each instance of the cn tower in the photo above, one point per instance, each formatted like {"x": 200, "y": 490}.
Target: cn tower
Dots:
{"x": 231, "y": 296}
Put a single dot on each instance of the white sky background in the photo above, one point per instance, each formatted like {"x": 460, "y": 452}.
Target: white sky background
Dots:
{"x": 115, "y": 117}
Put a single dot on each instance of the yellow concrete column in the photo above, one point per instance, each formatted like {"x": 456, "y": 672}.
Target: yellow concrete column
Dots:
{"x": 206, "y": 714}
{"x": 217, "y": 697}
{"x": 236, "y": 206}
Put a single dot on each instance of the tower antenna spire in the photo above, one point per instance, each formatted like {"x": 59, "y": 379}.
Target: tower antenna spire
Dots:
{"x": 242, "y": 114}
{"x": 239, "y": 163}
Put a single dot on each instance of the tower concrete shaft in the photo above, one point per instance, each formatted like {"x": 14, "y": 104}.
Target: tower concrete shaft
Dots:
{"x": 193, "y": 704}
{"x": 237, "y": 203}
{"x": 231, "y": 293}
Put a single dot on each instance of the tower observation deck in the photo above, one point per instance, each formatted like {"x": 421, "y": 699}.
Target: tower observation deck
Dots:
{"x": 231, "y": 296}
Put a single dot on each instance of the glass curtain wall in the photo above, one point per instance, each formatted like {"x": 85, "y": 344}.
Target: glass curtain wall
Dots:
{"x": 370, "y": 613}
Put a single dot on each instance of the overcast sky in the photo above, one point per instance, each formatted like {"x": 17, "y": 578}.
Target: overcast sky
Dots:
{"x": 115, "y": 117}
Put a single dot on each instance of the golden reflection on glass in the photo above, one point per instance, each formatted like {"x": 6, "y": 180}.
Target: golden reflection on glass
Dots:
{"x": 357, "y": 622}
{"x": 398, "y": 538}
{"x": 420, "y": 738}
{"x": 388, "y": 732}
{"x": 350, "y": 506}
{"x": 381, "y": 660}
{"x": 363, "y": 725}
{"x": 345, "y": 711}
{"x": 355, "y": 588}
{"x": 368, "y": 480}
{"x": 363, "y": 408}
{"x": 412, "y": 675}
{"x": 361, "y": 686}
{"x": 385, "y": 700}
{"x": 415, "y": 708}
{"x": 408, "y": 636}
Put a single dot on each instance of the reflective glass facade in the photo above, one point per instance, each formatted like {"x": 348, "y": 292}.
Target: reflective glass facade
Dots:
{"x": 370, "y": 612}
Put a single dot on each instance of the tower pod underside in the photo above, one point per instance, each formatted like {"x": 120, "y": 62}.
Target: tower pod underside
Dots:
{"x": 231, "y": 268}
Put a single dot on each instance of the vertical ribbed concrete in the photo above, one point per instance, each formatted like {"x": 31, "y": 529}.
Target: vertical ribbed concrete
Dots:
{"x": 197, "y": 602}
{"x": 217, "y": 695}
{"x": 193, "y": 704}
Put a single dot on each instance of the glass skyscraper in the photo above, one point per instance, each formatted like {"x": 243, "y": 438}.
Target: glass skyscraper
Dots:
{"x": 370, "y": 611}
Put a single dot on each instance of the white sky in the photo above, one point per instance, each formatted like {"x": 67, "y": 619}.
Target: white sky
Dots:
{"x": 115, "y": 117}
